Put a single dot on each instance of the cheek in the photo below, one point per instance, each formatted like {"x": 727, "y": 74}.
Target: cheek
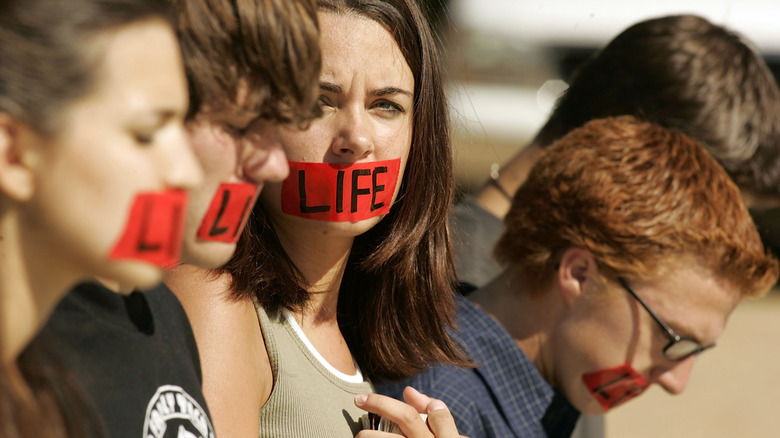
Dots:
{"x": 393, "y": 141}
{"x": 96, "y": 195}
{"x": 309, "y": 146}
{"x": 83, "y": 217}
{"x": 395, "y": 146}
{"x": 590, "y": 339}
{"x": 216, "y": 152}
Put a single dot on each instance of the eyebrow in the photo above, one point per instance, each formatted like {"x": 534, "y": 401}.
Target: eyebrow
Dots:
{"x": 390, "y": 90}
{"x": 329, "y": 86}
{"x": 163, "y": 115}
{"x": 335, "y": 88}
{"x": 154, "y": 118}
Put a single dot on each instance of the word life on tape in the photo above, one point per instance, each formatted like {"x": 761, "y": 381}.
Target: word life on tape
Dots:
{"x": 340, "y": 192}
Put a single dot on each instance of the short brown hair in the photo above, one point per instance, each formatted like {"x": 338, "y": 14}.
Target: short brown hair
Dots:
{"x": 270, "y": 47}
{"x": 686, "y": 73}
{"x": 396, "y": 300}
{"x": 639, "y": 197}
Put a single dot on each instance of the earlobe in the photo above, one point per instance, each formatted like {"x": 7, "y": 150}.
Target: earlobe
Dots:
{"x": 16, "y": 174}
{"x": 577, "y": 266}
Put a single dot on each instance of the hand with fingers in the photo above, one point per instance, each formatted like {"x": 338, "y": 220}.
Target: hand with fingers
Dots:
{"x": 406, "y": 416}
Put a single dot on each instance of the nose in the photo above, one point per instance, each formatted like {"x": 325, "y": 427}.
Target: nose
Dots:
{"x": 260, "y": 165}
{"x": 262, "y": 157}
{"x": 181, "y": 169}
{"x": 355, "y": 135}
{"x": 674, "y": 379}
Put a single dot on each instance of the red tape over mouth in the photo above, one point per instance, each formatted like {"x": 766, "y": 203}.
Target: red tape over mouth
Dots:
{"x": 340, "y": 192}
{"x": 229, "y": 210}
{"x": 615, "y": 386}
{"x": 154, "y": 229}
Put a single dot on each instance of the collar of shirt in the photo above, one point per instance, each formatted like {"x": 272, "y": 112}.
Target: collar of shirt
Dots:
{"x": 526, "y": 400}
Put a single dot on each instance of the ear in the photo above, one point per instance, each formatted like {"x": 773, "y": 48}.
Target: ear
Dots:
{"x": 16, "y": 173}
{"x": 577, "y": 266}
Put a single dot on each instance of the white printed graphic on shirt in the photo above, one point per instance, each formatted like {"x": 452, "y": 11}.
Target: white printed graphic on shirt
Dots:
{"x": 172, "y": 413}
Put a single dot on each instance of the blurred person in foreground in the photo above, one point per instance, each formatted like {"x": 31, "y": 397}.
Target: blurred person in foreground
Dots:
{"x": 249, "y": 65}
{"x": 625, "y": 252}
{"x": 86, "y": 138}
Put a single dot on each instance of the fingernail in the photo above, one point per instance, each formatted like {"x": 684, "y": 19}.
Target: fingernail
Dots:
{"x": 361, "y": 399}
{"x": 436, "y": 405}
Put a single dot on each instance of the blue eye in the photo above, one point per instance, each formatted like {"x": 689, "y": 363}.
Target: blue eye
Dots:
{"x": 389, "y": 107}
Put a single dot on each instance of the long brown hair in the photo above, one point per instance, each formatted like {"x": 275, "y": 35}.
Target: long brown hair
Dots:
{"x": 46, "y": 64}
{"x": 396, "y": 298}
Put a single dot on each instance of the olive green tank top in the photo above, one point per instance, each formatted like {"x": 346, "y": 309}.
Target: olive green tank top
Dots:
{"x": 310, "y": 398}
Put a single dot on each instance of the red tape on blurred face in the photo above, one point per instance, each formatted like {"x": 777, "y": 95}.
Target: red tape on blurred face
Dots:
{"x": 154, "y": 230}
{"x": 340, "y": 192}
{"x": 228, "y": 212}
{"x": 614, "y": 386}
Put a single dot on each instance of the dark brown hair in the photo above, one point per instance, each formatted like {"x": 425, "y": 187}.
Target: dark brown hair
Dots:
{"x": 685, "y": 73}
{"x": 641, "y": 199}
{"x": 260, "y": 57}
{"x": 46, "y": 64}
{"x": 396, "y": 297}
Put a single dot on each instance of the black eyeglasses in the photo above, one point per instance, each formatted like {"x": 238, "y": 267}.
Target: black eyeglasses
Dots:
{"x": 679, "y": 347}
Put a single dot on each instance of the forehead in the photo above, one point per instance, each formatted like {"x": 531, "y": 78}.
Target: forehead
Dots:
{"x": 138, "y": 76}
{"x": 354, "y": 44}
{"x": 691, "y": 300}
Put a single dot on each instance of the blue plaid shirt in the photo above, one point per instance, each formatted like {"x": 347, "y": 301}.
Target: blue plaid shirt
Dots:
{"x": 505, "y": 396}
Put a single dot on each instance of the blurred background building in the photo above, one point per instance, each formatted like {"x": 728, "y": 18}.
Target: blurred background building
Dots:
{"x": 508, "y": 60}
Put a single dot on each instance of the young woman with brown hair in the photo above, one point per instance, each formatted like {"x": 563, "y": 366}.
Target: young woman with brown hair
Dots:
{"x": 346, "y": 264}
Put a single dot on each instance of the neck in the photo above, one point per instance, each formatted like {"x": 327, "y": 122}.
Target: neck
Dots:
{"x": 527, "y": 317}
{"x": 322, "y": 258}
{"x": 32, "y": 280}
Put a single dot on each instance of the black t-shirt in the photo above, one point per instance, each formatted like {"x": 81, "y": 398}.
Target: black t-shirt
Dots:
{"x": 135, "y": 357}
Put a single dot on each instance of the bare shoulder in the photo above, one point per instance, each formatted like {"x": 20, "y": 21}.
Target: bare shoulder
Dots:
{"x": 237, "y": 377}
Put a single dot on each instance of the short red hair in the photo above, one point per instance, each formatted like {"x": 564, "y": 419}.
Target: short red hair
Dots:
{"x": 640, "y": 198}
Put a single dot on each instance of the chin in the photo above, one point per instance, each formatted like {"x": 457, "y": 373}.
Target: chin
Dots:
{"x": 592, "y": 407}
{"x": 207, "y": 254}
{"x": 584, "y": 402}
{"x": 342, "y": 229}
{"x": 135, "y": 274}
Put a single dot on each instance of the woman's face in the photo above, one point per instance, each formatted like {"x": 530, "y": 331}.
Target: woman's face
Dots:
{"x": 123, "y": 139}
{"x": 367, "y": 96}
